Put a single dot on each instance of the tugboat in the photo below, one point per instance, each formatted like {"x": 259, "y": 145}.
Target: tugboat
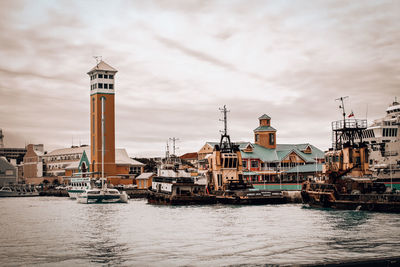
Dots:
{"x": 174, "y": 186}
{"x": 225, "y": 176}
{"x": 349, "y": 183}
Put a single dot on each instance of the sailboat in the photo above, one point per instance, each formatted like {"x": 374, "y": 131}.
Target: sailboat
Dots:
{"x": 103, "y": 194}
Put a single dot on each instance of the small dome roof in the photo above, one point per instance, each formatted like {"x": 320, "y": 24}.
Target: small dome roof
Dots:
{"x": 263, "y": 117}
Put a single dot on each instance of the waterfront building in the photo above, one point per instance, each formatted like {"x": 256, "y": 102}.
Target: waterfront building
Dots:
{"x": 33, "y": 163}
{"x": 67, "y": 162}
{"x": 191, "y": 158}
{"x": 144, "y": 180}
{"x": 8, "y": 173}
{"x": 102, "y": 112}
{"x": 266, "y": 161}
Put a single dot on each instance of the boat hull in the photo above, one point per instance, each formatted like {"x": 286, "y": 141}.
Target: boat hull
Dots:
{"x": 19, "y": 194}
{"x": 74, "y": 194}
{"x": 168, "y": 199}
{"x": 230, "y": 200}
{"x": 102, "y": 199}
{"x": 366, "y": 202}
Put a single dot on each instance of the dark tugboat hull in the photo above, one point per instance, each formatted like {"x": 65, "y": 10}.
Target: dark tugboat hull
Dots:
{"x": 250, "y": 201}
{"x": 167, "y": 199}
{"x": 378, "y": 203}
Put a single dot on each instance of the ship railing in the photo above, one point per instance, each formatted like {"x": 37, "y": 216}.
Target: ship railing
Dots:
{"x": 349, "y": 124}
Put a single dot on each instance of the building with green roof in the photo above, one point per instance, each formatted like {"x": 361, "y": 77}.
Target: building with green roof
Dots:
{"x": 265, "y": 161}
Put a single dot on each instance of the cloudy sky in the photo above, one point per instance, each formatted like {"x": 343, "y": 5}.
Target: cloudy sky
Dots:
{"x": 179, "y": 61}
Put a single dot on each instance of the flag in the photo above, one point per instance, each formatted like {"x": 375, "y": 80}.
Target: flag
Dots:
{"x": 351, "y": 114}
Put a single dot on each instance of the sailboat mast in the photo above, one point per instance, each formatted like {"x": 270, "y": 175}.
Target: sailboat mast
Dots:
{"x": 102, "y": 142}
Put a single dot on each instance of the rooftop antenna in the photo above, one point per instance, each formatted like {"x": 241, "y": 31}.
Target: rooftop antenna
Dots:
{"x": 173, "y": 139}
{"x": 98, "y": 59}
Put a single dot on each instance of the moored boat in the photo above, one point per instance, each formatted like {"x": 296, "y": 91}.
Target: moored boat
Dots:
{"x": 102, "y": 196}
{"x": 349, "y": 183}
{"x": 78, "y": 186}
{"x": 175, "y": 186}
{"x": 18, "y": 191}
{"x": 225, "y": 176}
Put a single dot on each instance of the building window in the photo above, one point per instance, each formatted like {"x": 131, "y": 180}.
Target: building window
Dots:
{"x": 105, "y": 76}
{"x": 110, "y": 76}
{"x": 257, "y": 138}
{"x": 93, "y": 123}
{"x": 254, "y": 164}
{"x": 105, "y": 86}
{"x": 100, "y": 85}
{"x": 244, "y": 163}
{"x": 271, "y": 139}
{"x": 111, "y": 86}
{"x": 93, "y": 104}
{"x": 100, "y": 76}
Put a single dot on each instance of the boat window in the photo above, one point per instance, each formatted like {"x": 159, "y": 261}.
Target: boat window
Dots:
{"x": 234, "y": 163}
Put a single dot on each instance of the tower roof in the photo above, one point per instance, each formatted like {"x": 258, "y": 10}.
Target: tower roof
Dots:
{"x": 265, "y": 116}
{"x": 102, "y": 66}
{"x": 265, "y": 129}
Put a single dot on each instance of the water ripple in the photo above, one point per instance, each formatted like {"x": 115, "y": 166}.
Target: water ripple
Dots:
{"x": 60, "y": 232}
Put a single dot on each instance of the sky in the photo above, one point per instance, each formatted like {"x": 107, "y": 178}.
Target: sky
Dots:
{"x": 178, "y": 62}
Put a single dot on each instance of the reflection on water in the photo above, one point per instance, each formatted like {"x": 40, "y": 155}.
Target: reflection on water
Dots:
{"x": 100, "y": 237}
{"x": 57, "y": 231}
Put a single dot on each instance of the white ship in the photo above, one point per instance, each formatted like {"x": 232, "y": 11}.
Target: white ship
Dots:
{"x": 382, "y": 137}
{"x": 78, "y": 186}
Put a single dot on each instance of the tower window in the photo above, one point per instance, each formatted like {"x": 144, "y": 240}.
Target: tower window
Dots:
{"x": 105, "y": 86}
{"x": 100, "y": 85}
{"x": 271, "y": 139}
{"x": 110, "y": 76}
{"x": 111, "y": 86}
{"x": 257, "y": 138}
{"x": 100, "y": 76}
{"x": 105, "y": 76}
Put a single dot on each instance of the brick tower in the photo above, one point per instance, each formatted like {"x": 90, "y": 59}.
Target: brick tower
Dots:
{"x": 102, "y": 118}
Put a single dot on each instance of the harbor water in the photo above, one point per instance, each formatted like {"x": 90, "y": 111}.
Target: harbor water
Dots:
{"x": 50, "y": 231}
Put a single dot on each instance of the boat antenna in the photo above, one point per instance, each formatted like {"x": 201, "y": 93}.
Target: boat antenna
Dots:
{"x": 225, "y": 142}
{"x": 225, "y": 111}
{"x": 167, "y": 151}
{"x": 173, "y": 139}
{"x": 342, "y": 106}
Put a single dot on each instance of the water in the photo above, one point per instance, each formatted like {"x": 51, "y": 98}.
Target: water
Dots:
{"x": 50, "y": 231}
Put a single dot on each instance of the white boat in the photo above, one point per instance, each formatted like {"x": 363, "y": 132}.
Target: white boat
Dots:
{"x": 383, "y": 139}
{"x": 18, "y": 191}
{"x": 78, "y": 186}
{"x": 102, "y": 196}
